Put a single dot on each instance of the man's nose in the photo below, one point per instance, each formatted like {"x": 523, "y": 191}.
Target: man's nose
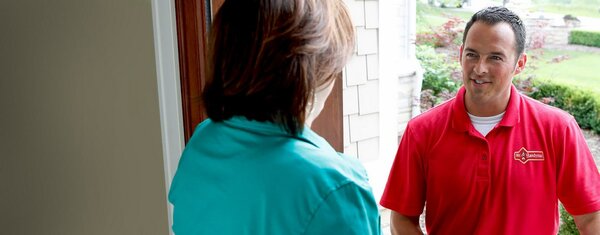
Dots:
{"x": 480, "y": 67}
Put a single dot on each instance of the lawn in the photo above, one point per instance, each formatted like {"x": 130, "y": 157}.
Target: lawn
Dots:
{"x": 576, "y": 10}
{"x": 429, "y": 17}
{"x": 581, "y": 69}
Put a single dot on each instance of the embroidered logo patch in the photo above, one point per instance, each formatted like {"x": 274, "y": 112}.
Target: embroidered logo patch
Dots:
{"x": 524, "y": 156}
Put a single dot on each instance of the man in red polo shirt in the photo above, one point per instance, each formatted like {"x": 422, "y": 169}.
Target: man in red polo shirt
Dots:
{"x": 492, "y": 161}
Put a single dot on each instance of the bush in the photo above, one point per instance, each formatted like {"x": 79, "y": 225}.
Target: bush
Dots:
{"x": 568, "y": 226}
{"x": 441, "y": 74}
{"x": 450, "y": 3}
{"x": 581, "y": 104}
{"x": 587, "y": 38}
{"x": 448, "y": 34}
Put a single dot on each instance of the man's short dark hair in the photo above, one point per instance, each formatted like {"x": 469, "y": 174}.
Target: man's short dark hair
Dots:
{"x": 498, "y": 14}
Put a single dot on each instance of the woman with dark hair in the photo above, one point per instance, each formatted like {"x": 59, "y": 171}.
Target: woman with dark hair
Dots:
{"x": 255, "y": 166}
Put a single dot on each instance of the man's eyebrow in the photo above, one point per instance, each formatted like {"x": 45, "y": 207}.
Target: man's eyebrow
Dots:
{"x": 496, "y": 53}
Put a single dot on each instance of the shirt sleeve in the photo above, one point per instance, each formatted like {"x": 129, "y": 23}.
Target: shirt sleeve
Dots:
{"x": 578, "y": 176}
{"x": 405, "y": 188}
{"x": 350, "y": 209}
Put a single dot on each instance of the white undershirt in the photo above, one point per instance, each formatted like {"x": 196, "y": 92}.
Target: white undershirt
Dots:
{"x": 485, "y": 124}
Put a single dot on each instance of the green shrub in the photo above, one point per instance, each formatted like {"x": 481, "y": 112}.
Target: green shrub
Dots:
{"x": 441, "y": 76}
{"x": 568, "y": 226}
{"x": 440, "y": 73}
{"x": 554, "y": 93}
{"x": 450, "y": 3}
{"x": 583, "y": 105}
{"x": 587, "y": 38}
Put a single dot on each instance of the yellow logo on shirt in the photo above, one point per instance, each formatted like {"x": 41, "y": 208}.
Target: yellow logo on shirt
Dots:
{"x": 523, "y": 155}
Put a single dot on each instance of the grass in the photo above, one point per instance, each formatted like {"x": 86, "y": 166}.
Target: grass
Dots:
{"x": 575, "y": 10}
{"x": 429, "y": 17}
{"x": 581, "y": 69}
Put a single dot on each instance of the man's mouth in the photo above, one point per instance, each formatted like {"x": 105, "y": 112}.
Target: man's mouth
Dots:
{"x": 479, "y": 81}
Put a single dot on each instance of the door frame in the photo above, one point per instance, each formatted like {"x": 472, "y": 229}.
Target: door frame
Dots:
{"x": 169, "y": 91}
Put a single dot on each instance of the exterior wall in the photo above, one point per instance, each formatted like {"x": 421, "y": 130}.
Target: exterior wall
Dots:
{"x": 361, "y": 84}
{"x": 409, "y": 92}
{"x": 550, "y": 31}
{"x": 557, "y": 35}
{"x": 378, "y": 83}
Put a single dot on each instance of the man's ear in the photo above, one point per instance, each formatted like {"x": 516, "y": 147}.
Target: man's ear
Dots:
{"x": 462, "y": 46}
{"x": 521, "y": 64}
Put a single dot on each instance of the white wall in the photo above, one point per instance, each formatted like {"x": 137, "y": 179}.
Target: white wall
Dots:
{"x": 361, "y": 83}
{"x": 378, "y": 82}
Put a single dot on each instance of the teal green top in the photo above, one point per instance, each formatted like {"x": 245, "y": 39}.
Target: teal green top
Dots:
{"x": 249, "y": 177}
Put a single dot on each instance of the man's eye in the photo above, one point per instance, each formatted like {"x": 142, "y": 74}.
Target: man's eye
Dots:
{"x": 470, "y": 55}
{"x": 496, "y": 58}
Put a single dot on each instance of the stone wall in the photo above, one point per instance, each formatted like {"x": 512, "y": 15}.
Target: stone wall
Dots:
{"x": 551, "y": 31}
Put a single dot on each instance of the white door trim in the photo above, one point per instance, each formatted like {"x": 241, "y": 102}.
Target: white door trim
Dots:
{"x": 169, "y": 89}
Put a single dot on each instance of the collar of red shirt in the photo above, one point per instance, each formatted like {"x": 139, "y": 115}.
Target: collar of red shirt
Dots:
{"x": 460, "y": 118}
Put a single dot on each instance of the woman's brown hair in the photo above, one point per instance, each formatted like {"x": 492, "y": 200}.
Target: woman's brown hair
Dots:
{"x": 267, "y": 57}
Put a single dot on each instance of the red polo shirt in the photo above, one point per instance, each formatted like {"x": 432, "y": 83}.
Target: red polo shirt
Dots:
{"x": 508, "y": 182}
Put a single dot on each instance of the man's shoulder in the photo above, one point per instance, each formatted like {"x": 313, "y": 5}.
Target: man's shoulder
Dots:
{"x": 439, "y": 114}
{"x": 544, "y": 112}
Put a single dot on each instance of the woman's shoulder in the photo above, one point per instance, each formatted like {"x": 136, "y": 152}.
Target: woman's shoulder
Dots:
{"x": 324, "y": 165}
{"x": 242, "y": 148}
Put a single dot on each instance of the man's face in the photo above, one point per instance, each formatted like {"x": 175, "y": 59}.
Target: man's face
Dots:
{"x": 488, "y": 58}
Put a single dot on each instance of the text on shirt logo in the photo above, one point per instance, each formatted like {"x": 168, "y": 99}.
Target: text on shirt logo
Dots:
{"x": 523, "y": 155}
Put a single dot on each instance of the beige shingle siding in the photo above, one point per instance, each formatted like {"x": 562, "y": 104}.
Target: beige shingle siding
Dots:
{"x": 368, "y": 97}
{"x": 362, "y": 84}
